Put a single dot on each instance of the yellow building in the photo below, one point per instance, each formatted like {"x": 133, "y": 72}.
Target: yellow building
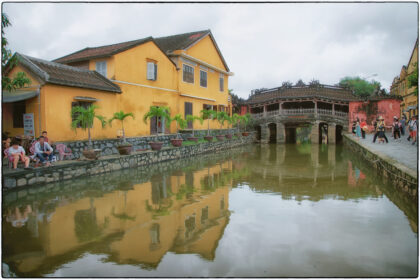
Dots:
{"x": 409, "y": 106}
{"x": 184, "y": 72}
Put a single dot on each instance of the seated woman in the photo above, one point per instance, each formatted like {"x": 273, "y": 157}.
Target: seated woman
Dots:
{"x": 16, "y": 152}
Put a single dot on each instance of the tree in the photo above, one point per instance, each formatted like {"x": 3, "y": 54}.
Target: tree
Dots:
{"x": 222, "y": 117}
{"x": 121, "y": 116}
{"x": 236, "y": 120}
{"x": 158, "y": 112}
{"x": 191, "y": 118}
{"x": 84, "y": 117}
{"x": 359, "y": 86}
{"x": 314, "y": 83}
{"x": 245, "y": 119}
{"x": 9, "y": 61}
{"x": 300, "y": 83}
{"x": 287, "y": 84}
{"x": 236, "y": 101}
{"x": 209, "y": 115}
{"x": 413, "y": 79}
{"x": 180, "y": 123}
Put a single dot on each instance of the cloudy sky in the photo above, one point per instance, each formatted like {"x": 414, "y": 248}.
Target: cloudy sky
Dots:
{"x": 263, "y": 44}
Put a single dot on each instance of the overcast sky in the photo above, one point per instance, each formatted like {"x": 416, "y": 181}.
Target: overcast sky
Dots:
{"x": 263, "y": 44}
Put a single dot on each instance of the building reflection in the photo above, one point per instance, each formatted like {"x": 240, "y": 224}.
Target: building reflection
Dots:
{"x": 185, "y": 211}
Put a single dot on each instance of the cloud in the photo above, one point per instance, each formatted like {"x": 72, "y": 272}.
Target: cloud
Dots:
{"x": 263, "y": 44}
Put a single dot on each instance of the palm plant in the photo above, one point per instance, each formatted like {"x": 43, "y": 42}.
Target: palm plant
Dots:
{"x": 236, "y": 118}
{"x": 84, "y": 117}
{"x": 180, "y": 123}
{"x": 245, "y": 119}
{"x": 209, "y": 115}
{"x": 121, "y": 116}
{"x": 158, "y": 112}
{"x": 222, "y": 117}
{"x": 191, "y": 118}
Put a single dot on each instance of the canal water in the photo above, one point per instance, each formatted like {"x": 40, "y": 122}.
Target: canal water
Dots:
{"x": 269, "y": 210}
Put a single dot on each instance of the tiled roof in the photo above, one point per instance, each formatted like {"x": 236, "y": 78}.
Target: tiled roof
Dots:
{"x": 326, "y": 92}
{"x": 181, "y": 41}
{"x": 60, "y": 74}
{"x": 103, "y": 51}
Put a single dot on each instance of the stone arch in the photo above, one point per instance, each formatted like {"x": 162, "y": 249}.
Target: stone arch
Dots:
{"x": 258, "y": 134}
{"x": 272, "y": 128}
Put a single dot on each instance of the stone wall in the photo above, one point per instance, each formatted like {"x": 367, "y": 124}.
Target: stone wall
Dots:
{"x": 109, "y": 146}
{"x": 79, "y": 168}
{"x": 402, "y": 177}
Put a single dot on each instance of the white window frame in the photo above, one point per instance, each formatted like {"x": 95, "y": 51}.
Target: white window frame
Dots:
{"x": 206, "y": 78}
{"x": 193, "y": 73}
{"x": 99, "y": 69}
{"x": 221, "y": 76}
{"x": 151, "y": 71}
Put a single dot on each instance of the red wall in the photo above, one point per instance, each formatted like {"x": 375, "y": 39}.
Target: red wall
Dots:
{"x": 244, "y": 110}
{"x": 387, "y": 108}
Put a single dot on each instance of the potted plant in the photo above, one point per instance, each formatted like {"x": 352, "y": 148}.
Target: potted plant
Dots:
{"x": 245, "y": 119}
{"x": 158, "y": 112}
{"x": 236, "y": 120}
{"x": 209, "y": 115}
{"x": 83, "y": 118}
{"x": 124, "y": 148}
{"x": 180, "y": 123}
{"x": 191, "y": 118}
{"x": 221, "y": 118}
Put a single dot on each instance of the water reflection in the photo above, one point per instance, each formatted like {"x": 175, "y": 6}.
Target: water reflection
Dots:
{"x": 137, "y": 217}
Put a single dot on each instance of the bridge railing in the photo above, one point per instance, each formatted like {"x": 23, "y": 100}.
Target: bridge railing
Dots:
{"x": 301, "y": 111}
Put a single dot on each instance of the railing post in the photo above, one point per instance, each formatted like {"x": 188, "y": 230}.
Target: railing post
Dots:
{"x": 265, "y": 111}
{"x": 333, "y": 110}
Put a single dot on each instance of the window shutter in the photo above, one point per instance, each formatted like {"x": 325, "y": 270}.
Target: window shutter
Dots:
{"x": 150, "y": 70}
{"x": 155, "y": 73}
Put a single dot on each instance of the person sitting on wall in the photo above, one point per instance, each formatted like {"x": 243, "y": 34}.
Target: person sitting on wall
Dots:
{"x": 46, "y": 139}
{"x": 412, "y": 127}
{"x": 43, "y": 151}
{"x": 6, "y": 143}
{"x": 16, "y": 152}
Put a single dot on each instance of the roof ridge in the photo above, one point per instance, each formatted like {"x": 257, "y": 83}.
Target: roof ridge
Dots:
{"x": 162, "y": 37}
{"x": 33, "y": 66}
{"x": 57, "y": 64}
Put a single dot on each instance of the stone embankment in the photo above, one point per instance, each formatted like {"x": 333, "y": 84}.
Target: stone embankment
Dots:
{"x": 109, "y": 146}
{"x": 66, "y": 170}
{"x": 401, "y": 175}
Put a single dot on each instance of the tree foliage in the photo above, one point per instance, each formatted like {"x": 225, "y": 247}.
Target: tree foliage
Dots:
{"x": 180, "y": 123}
{"x": 84, "y": 117}
{"x": 158, "y": 112}
{"x": 20, "y": 79}
{"x": 209, "y": 115}
{"x": 359, "y": 86}
{"x": 413, "y": 79}
{"x": 121, "y": 116}
{"x": 300, "y": 83}
{"x": 191, "y": 118}
{"x": 287, "y": 84}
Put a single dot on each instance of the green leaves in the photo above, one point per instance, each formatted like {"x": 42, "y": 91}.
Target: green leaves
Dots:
{"x": 84, "y": 117}
{"x": 208, "y": 114}
{"x": 181, "y": 123}
{"x": 191, "y": 118}
{"x": 359, "y": 86}
{"x": 121, "y": 116}
{"x": 413, "y": 79}
{"x": 162, "y": 112}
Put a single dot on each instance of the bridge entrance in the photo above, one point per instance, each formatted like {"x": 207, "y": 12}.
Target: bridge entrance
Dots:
{"x": 258, "y": 129}
{"x": 338, "y": 134}
{"x": 290, "y": 135}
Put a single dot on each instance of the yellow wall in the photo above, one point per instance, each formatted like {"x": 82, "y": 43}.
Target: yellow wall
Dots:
{"x": 32, "y": 105}
{"x": 110, "y": 66}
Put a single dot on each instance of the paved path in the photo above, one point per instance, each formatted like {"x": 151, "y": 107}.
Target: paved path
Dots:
{"x": 401, "y": 150}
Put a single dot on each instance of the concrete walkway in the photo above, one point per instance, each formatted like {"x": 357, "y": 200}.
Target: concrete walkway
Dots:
{"x": 400, "y": 150}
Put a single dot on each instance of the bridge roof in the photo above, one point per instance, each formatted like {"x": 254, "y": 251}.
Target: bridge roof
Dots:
{"x": 323, "y": 92}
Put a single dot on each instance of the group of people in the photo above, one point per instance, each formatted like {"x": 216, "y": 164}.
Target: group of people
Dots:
{"x": 43, "y": 151}
{"x": 360, "y": 128}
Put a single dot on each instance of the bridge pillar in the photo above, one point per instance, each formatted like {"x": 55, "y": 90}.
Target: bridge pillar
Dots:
{"x": 265, "y": 134}
{"x": 315, "y": 133}
{"x": 281, "y": 133}
{"x": 331, "y": 133}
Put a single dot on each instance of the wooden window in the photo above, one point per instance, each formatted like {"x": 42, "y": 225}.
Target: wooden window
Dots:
{"x": 83, "y": 104}
{"x": 221, "y": 82}
{"x": 188, "y": 110}
{"x": 101, "y": 68}
{"x": 19, "y": 108}
{"x": 203, "y": 78}
{"x": 151, "y": 71}
{"x": 188, "y": 74}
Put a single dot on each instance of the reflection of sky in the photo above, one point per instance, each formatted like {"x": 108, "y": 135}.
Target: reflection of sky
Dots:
{"x": 268, "y": 236}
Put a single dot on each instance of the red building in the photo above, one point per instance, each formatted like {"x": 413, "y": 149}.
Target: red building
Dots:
{"x": 375, "y": 106}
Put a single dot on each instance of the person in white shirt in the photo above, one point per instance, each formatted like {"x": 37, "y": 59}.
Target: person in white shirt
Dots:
{"x": 16, "y": 152}
{"x": 43, "y": 151}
